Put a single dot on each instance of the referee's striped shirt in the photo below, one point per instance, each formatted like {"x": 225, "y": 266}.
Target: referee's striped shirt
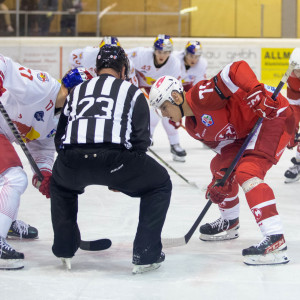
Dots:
{"x": 105, "y": 110}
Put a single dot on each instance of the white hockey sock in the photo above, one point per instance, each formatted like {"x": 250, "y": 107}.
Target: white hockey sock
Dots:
{"x": 13, "y": 183}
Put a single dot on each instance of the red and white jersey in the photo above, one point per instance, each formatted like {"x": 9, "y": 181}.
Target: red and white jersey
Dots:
{"x": 147, "y": 73}
{"x": 293, "y": 90}
{"x": 221, "y": 116}
{"x": 86, "y": 58}
{"x": 29, "y": 99}
{"x": 193, "y": 74}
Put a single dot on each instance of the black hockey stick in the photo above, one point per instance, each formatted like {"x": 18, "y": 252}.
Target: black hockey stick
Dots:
{"x": 21, "y": 142}
{"x": 172, "y": 169}
{"x": 175, "y": 242}
{"x": 96, "y": 245}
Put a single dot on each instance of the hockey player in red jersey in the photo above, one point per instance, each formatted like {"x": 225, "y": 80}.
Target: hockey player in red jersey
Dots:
{"x": 293, "y": 96}
{"x": 221, "y": 112}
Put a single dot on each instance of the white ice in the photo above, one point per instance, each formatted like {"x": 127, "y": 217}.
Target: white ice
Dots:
{"x": 198, "y": 270}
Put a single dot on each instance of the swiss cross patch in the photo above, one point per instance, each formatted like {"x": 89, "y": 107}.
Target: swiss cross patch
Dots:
{"x": 207, "y": 120}
{"x": 257, "y": 213}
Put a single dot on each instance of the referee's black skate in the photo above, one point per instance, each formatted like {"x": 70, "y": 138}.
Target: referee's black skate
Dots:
{"x": 271, "y": 250}
{"x": 10, "y": 259}
{"x": 219, "y": 230}
{"x": 142, "y": 268}
{"x": 293, "y": 173}
{"x": 178, "y": 153}
{"x": 20, "y": 229}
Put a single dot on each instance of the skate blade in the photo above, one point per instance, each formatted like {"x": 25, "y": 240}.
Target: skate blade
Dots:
{"x": 229, "y": 235}
{"x": 139, "y": 269}
{"x": 11, "y": 264}
{"x": 273, "y": 258}
{"x": 17, "y": 237}
{"x": 178, "y": 158}
{"x": 66, "y": 262}
{"x": 292, "y": 180}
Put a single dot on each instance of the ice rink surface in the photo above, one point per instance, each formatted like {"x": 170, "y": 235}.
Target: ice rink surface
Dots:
{"x": 198, "y": 270}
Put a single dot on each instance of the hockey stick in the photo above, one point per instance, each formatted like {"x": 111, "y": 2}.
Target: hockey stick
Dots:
{"x": 171, "y": 168}
{"x": 175, "y": 242}
{"x": 17, "y": 135}
{"x": 96, "y": 245}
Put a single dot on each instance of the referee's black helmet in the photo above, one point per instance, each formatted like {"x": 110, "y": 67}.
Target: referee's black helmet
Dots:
{"x": 114, "y": 57}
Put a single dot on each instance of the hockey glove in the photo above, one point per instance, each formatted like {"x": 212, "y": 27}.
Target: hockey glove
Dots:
{"x": 294, "y": 141}
{"x": 261, "y": 103}
{"x": 217, "y": 194}
{"x": 175, "y": 124}
{"x": 44, "y": 186}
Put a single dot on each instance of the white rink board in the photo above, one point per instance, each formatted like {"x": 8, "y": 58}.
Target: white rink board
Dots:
{"x": 52, "y": 54}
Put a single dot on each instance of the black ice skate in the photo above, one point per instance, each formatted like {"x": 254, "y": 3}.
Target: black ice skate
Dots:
{"x": 293, "y": 173}
{"x": 270, "y": 251}
{"x": 139, "y": 269}
{"x": 178, "y": 153}
{"x": 213, "y": 231}
{"x": 10, "y": 259}
{"x": 20, "y": 229}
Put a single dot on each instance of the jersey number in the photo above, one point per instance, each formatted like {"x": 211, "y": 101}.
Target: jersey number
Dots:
{"x": 101, "y": 104}
{"x": 26, "y": 73}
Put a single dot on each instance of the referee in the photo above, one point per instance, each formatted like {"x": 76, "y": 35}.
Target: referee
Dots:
{"x": 102, "y": 138}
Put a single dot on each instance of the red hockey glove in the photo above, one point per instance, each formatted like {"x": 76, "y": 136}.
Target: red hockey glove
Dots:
{"x": 262, "y": 104}
{"x": 217, "y": 194}
{"x": 44, "y": 186}
{"x": 176, "y": 124}
{"x": 294, "y": 141}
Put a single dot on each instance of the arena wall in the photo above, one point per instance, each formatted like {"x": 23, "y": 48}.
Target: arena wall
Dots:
{"x": 267, "y": 57}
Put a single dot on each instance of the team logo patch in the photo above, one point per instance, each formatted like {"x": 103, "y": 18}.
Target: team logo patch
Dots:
{"x": 207, "y": 120}
{"x": 52, "y": 133}
{"x": 257, "y": 213}
{"x": 42, "y": 77}
{"x": 39, "y": 115}
{"x": 227, "y": 133}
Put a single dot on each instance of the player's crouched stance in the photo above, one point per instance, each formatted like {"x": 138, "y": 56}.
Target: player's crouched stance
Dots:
{"x": 221, "y": 112}
{"x": 102, "y": 138}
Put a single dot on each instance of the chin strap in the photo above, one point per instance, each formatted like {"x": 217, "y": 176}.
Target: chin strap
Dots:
{"x": 180, "y": 106}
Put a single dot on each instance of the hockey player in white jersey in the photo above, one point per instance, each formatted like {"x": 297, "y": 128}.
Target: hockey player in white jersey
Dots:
{"x": 193, "y": 63}
{"x": 30, "y": 98}
{"x": 150, "y": 64}
{"x": 87, "y": 56}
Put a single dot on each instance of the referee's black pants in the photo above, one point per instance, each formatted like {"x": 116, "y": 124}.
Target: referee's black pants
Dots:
{"x": 134, "y": 174}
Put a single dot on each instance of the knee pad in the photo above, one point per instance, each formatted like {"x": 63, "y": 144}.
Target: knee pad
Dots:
{"x": 16, "y": 178}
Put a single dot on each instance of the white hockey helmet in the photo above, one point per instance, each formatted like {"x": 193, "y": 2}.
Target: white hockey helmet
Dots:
{"x": 162, "y": 89}
{"x": 163, "y": 42}
{"x": 295, "y": 57}
{"x": 193, "y": 47}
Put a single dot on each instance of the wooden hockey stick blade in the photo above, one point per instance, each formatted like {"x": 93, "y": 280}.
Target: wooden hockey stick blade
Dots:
{"x": 97, "y": 245}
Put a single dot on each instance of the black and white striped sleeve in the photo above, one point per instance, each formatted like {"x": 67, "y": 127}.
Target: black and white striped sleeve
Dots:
{"x": 140, "y": 135}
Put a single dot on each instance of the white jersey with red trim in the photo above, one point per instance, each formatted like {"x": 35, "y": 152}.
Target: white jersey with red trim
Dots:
{"x": 147, "y": 73}
{"x": 29, "y": 98}
{"x": 86, "y": 58}
{"x": 75, "y": 58}
{"x": 193, "y": 74}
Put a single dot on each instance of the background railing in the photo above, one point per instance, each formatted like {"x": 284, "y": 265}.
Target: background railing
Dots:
{"x": 146, "y": 18}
